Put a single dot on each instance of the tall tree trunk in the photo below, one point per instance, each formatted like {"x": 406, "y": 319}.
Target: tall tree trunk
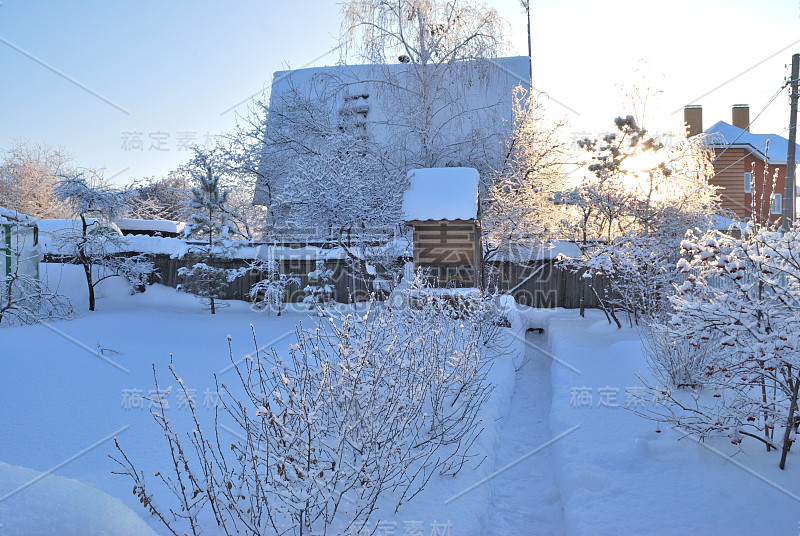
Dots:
{"x": 87, "y": 269}
{"x": 211, "y": 255}
{"x": 790, "y": 421}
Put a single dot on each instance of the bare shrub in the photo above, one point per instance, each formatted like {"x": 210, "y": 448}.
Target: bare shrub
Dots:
{"x": 363, "y": 407}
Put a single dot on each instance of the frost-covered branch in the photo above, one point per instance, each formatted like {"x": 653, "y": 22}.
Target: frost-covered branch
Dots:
{"x": 362, "y": 407}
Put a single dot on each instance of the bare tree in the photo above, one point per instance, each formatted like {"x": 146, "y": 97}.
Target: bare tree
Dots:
{"x": 281, "y": 131}
{"x": 328, "y": 180}
{"x": 167, "y": 198}
{"x": 641, "y": 194}
{"x": 96, "y": 246}
{"x": 517, "y": 209}
{"x": 431, "y": 60}
{"x": 341, "y": 182}
{"x": 28, "y": 172}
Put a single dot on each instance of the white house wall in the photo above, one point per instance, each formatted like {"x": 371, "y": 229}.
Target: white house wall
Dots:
{"x": 487, "y": 95}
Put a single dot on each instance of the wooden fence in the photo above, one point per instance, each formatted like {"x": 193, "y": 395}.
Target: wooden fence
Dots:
{"x": 541, "y": 284}
{"x": 546, "y": 285}
{"x": 344, "y": 287}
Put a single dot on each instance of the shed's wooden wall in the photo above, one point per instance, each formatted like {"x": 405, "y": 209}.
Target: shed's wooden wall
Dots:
{"x": 448, "y": 250}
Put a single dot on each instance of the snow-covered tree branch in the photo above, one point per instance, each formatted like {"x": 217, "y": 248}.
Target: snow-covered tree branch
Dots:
{"x": 737, "y": 310}
{"x": 97, "y": 246}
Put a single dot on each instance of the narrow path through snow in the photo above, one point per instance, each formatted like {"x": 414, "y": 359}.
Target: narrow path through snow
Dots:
{"x": 525, "y": 499}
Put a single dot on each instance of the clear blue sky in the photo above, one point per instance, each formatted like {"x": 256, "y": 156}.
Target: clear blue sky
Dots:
{"x": 166, "y": 74}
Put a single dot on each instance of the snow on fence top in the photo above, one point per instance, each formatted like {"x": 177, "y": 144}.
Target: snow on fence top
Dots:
{"x": 54, "y": 231}
{"x": 7, "y": 216}
{"x": 441, "y": 194}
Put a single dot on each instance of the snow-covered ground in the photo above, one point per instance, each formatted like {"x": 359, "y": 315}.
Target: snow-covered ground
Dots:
{"x": 523, "y": 459}
{"x": 562, "y": 453}
{"x": 617, "y": 474}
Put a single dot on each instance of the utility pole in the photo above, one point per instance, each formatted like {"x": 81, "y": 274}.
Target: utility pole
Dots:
{"x": 789, "y": 193}
{"x": 526, "y": 5}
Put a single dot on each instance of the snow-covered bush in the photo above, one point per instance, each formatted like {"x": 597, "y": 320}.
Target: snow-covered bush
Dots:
{"x": 320, "y": 286}
{"x": 672, "y": 359}
{"x": 364, "y": 407}
{"x": 30, "y": 302}
{"x": 422, "y": 300}
{"x": 269, "y": 294}
{"x": 739, "y": 309}
{"x": 639, "y": 272}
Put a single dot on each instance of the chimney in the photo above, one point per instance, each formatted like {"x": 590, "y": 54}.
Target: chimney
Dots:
{"x": 693, "y": 117}
{"x": 741, "y": 116}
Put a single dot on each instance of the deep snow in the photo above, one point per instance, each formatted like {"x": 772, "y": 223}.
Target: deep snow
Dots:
{"x": 613, "y": 474}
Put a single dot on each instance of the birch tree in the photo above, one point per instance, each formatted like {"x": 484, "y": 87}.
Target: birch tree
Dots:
{"x": 432, "y": 62}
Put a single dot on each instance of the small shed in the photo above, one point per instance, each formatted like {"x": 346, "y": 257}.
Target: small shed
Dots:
{"x": 19, "y": 247}
{"x": 441, "y": 206}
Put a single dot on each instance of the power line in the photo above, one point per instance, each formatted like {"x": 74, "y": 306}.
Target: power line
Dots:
{"x": 747, "y": 128}
{"x": 745, "y": 156}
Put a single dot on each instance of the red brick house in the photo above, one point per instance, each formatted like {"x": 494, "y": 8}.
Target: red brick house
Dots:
{"x": 750, "y": 168}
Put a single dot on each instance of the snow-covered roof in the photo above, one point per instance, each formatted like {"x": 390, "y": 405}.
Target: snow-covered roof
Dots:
{"x": 163, "y": 226}
{"x": 441, "y": 194}
{"x": 771, "y": 148}
{"x": 57, "y": 225}
{"x": 361, "y": 77}
{"x": 7, "y": 215}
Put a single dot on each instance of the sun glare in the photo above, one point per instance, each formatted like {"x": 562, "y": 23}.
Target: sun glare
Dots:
{"x": 642, "y": 162}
